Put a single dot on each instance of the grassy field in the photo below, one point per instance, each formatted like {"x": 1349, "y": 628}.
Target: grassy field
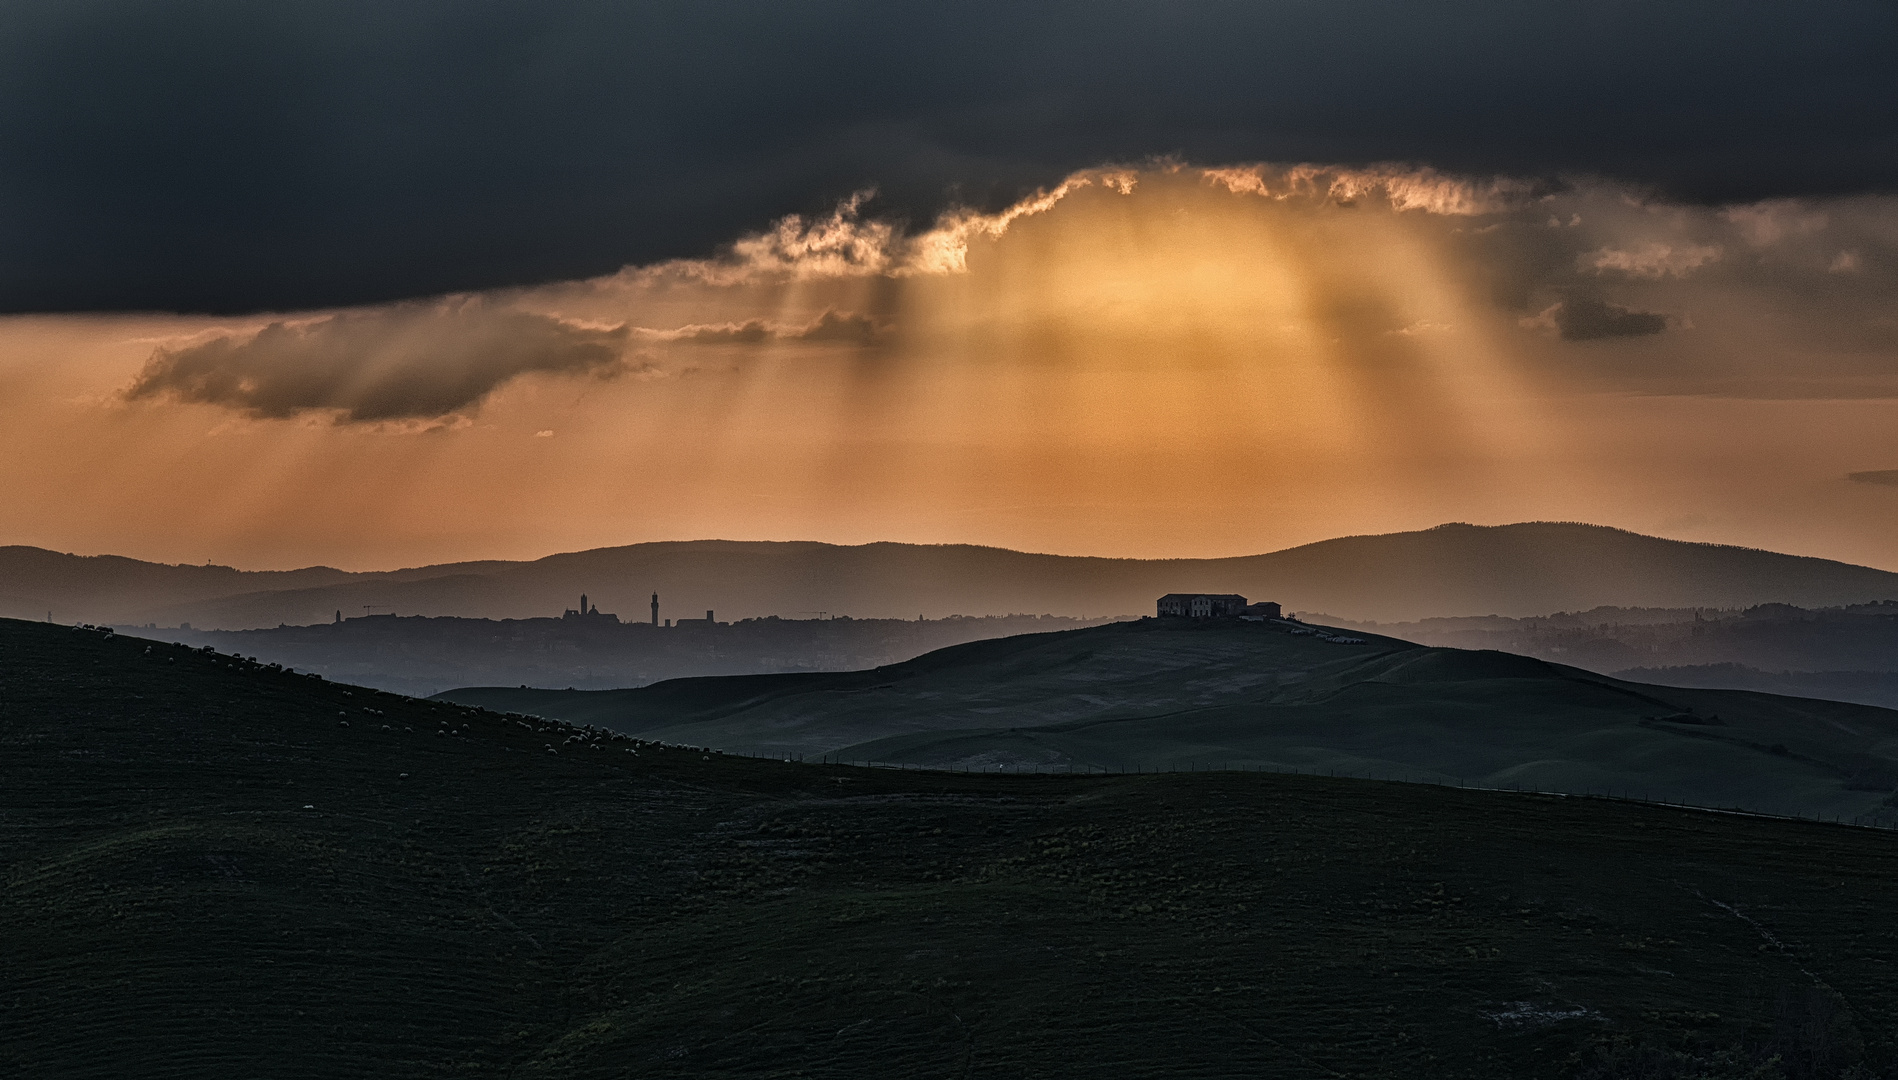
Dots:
{"x": 1192, "y": 694}
{"x": 215, "y": 869}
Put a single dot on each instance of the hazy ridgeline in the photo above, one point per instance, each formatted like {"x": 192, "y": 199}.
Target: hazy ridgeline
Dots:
{"x": 1645, "y": 603}
{"x": 1510, "y": 570}
{"x": 422, "y": 656}
{"x": 1843, "y": 653}
{"x": 1840, "y": 654}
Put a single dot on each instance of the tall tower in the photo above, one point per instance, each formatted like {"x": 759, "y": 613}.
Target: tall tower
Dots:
{"x": 583, "y": 603}
{"x": 655, "y": 609}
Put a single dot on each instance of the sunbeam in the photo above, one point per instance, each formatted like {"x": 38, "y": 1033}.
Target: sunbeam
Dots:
{"x": 1168, "y": 361}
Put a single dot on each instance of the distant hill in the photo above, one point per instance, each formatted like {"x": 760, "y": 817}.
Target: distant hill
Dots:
{"x": 421, "y": 655}
{"x": 113, "y": 589}
{"x": 1865, "y": 687}
{"x": 1845, "y": 654}
{"x": 74, "y": 588}
{"x": 217, "y": 869}
{"x": 1525, "y": 569}
{"x": 1176, "y": 693}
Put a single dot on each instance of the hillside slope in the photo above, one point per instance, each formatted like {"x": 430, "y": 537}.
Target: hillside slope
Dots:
{"x": 1770, "y": 637}
{"x": 208, "y": 874}
{"x": 1844, "y": 654}
{"x": 420, "y": 655}
{"x": 1525, "y": 569}
{"x": 115, "y": 589}
{"x": 1175, "y": 693}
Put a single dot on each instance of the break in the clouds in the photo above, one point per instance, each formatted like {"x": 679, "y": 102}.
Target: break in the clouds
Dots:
{"x": 214, "y": 155}
{"x": 402, "y": 362}
{"x": 1312, "y": 350}
{"x": 1594, "y": 282}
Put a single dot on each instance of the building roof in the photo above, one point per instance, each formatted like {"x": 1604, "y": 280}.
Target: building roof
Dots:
{"x": 1209, "y": 596}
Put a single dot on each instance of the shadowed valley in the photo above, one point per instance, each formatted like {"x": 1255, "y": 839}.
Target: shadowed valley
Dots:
{"x": 216, "y": 867}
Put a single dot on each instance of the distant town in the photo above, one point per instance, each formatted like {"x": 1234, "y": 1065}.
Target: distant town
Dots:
{"x": 590, "y": 649}
{"x": 422, "y": 655}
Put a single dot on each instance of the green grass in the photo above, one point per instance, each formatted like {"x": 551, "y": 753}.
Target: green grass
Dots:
{"x": 208, "y": 875}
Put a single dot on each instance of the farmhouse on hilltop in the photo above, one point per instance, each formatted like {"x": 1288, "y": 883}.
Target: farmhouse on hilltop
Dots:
{"x": 1215, "y": 605}
{"x": 1201, "y": 605}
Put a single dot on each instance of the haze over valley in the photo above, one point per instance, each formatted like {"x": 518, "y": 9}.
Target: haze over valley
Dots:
{"x": 1452, "y": 570}
{"x": 1597, "y": 598}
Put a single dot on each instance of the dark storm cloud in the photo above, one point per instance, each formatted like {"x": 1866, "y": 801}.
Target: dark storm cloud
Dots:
{"x": 1883, "y": 477}
{"x": 229, "y": 155}
{"x": 1592, "y": 320}
{"x": 401, "y": 362}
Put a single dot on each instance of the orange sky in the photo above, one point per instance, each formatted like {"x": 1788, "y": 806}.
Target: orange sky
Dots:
{"x": 1173, "y": 362}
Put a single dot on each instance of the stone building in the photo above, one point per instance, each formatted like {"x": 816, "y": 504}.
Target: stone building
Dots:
{"x": 1201, "y": 605}
{"x": 589, "y": 612}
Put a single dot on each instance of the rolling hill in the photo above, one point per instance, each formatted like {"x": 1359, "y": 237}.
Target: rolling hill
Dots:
{"x": 1519, "y": 570}
{"x": 218, "y": 868}
{"x": 1181, "y": 694}
{"x": 1844, "y": 654}
{"x": 419, "y": 655}
{"x": 1773, "y": 637}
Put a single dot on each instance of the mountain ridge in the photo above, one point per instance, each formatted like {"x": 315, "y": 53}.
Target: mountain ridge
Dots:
{"x": 1522, "y": 569}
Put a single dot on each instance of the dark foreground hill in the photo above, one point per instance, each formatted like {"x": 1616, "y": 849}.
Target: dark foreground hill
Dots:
{"x": 1178, "y": 694}
{"x": 1518, "y": 570}
{"x": 215, "y": 869}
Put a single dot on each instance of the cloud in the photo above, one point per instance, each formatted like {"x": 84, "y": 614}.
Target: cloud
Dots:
{"x": 1881, "y": 477}
{"x": 831, "y": 327}
{"x": 752, "y": 332}
{"x": 841, "y": 244}
{"x": 207, "y": 156}
{"x": 840, "y": 328}
{"x": 1593, "y": 320}
{"x": 945, "y": 248}
{"x": 1418, "y": 256}
{"x": 402, "y": 362}
{"x": 1654, "y": 259}
{"x": 1402, "y": 187}
{"x": 1764, "y": 224}
{"x": 844, "y": 243}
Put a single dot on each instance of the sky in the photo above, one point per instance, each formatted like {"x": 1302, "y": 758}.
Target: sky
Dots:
{"x": 373, "y": 286}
